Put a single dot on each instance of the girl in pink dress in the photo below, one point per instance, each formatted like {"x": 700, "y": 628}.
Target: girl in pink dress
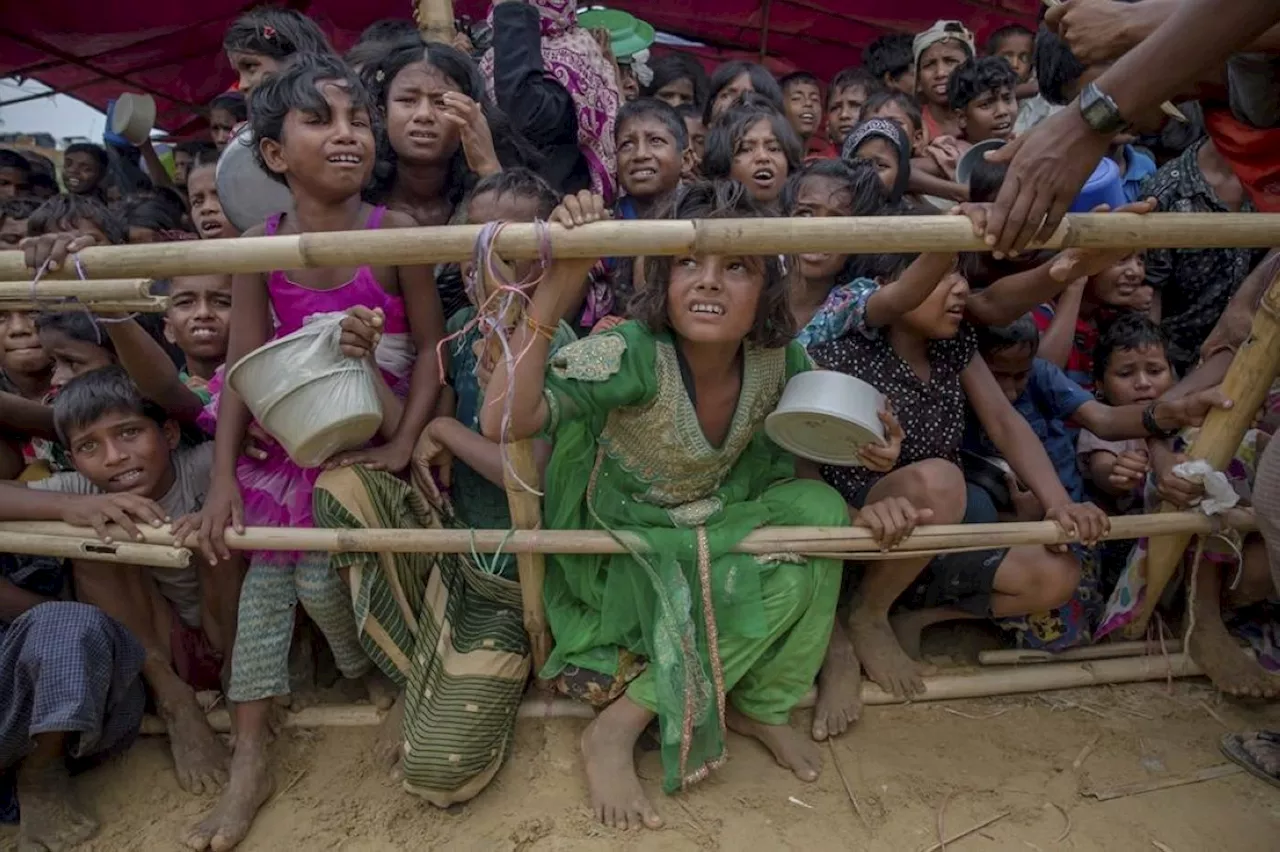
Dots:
{"x": 314, "y": 122}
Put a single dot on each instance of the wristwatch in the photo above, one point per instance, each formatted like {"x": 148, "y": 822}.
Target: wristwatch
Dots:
{"x": 1153, "y": 428}
{"x": 1100, "y": 111}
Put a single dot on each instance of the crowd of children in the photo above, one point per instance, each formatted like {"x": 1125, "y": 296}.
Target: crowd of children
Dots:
{"x": 1044, "y": 386}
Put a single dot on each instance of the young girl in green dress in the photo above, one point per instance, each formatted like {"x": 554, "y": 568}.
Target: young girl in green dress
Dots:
{"x": 657, "y": 430}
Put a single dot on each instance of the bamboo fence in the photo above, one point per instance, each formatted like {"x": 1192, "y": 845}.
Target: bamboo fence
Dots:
{"x": 847, "y": 235}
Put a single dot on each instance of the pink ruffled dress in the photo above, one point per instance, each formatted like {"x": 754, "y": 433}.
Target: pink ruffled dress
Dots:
{"x": 276, "y": 492}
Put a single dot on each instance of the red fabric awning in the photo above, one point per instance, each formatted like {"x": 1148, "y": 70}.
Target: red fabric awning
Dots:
{"x": 173, "y": 51}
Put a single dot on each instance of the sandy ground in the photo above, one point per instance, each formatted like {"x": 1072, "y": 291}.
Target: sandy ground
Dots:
{"x": 969, "y": 760}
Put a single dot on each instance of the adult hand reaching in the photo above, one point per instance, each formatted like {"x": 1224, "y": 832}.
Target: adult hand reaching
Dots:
{"x": 1047, "y": 167}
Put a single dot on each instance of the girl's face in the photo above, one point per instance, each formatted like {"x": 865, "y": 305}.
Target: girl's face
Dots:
{"x": 759, "y": 162}
{"x": 628, "y": 85}
{"x": 936, "y": 64}
{"x": 206, "y": 210}
{"x": 417, "y": 125}
{"x": 939, "y": 316}
{"x": 1016, "y": 49}
{"x": 730, "y": 93}
{"x": 1136, "y": 375}
{"x": 20, "y": 349}
{"x": 252, "y": 68}
{"x": 221, "y": 125}
{"x": 819, "y": 197}
{"x": 492, "y": 207}
{"x": 331, "y": 155}
{"x": 199, "y": 317}
{"x": 1123, "y": 285}
{"x": 677, "y": 92}
{"x": 885, "y": 158}
{"x": 81, "y": 172}
{"x": 714, "y": 298}
{"x": 142, "y": 236}
{"x": 895, "y": 112}
{"x": 71, "y": 357}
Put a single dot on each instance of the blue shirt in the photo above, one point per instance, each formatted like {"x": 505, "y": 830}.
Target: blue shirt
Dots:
{"x": 1049, "y": 400}
{"x": 1138, "y": 167}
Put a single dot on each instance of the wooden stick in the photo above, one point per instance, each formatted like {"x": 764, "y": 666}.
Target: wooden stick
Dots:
{"x": 1246, "y": 383}
{"x": 93, "y": 306}
{"x": 862, "y": 235}
{"x": 1105, "y": 651}
{"x": 960, "y": 835}
{"x": 95, "y": 550}
{"x": 858, "y": 542}
{"x": 1222, "y": 770}
{"x": 104, "y": 289}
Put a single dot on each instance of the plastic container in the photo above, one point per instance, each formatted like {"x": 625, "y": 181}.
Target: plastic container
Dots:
{"x": 309, "y": 396}
{"x": 964, "y": 168}
{"x": 132, "y": 117}
{"x": 247, "y": 193}
{"x": 827, "y": 417}
{"x": 628, "y": 35}
{"x": 1104, "y": 186}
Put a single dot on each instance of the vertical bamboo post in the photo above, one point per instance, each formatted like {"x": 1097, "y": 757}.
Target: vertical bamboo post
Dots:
{"x": 526, "y": 509}
{"x": 1247, "y": 382}
{"x": 435, "y": 20}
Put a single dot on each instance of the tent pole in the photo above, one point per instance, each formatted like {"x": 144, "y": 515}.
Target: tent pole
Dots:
{"x": 764, "y": 31}
{"x": 435, "y": 20}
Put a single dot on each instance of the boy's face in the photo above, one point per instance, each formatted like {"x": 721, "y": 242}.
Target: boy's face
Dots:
{"x": 206, "y": 209}
{"x": 904, "y": 82}
{"x": 221, "y": 125}
{"x": 181, "y": 166}
{"x": 125, "y": 453}
{"x": 935, "y": 67}
{"x": 493, "y": 207}
{"x": 895, "y": 112}
{"x": 1012, "y": 369}
{"x": 844, "y": 110}
{"x": 71, "y": 357}
{"x": 697, "y": 136}
{"x": 990, "y": 116}
{"x": 1016, "y": 50}
{"x": 13, "y": 182}
{"x": 80, "y": 172}
{"x": 1136, "y": 375}
{"x": 1123, "y": 285}
{"x": 199, "y": 317}
{"x": 12, "y": 232}
{"x": 20, "y": 349}
{"x": 803, "y": 102}
{"x": 649, "y": 160}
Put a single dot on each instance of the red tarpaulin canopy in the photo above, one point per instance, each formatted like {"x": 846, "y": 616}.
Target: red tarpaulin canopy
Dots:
{"x": 173, "y": 50}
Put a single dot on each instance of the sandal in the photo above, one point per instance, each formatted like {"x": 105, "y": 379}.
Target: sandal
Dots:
{"x": 1232, "y": 746}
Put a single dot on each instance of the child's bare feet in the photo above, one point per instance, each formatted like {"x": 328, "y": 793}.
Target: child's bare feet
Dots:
{"x": 199, "y": 757}
{"x": 882, "y": 657}
{"x": 390, "y": 744}
{"x": 1225, "y": 663}
{"x": 909, "y": 627}
{"x": 839, "y": 687}
{"x": 608, "y": 750}
{"x": 787, "y": 745}
{"x": 52, "y": 819}
{"x": 381, "y": 689}
{"x": 250, "y": 787}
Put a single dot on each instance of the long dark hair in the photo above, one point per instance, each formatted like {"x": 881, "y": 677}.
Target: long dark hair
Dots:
{"x": 275, "y": 32}
{"x": 723, "y": 139}
{"x": 678, "y": 66}
{"x": 381, "y": 71}
{"x": 762, "y": 82}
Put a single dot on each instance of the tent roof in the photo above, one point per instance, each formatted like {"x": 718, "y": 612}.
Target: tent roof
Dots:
{"x": 173, "y": 50}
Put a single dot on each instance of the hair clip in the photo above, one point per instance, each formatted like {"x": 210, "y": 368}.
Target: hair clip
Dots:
{"x": 269, "y": 32}
{"x": 380, "y": 76}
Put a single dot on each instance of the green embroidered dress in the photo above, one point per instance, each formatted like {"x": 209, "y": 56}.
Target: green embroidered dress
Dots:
{"x": 688, "y": 624}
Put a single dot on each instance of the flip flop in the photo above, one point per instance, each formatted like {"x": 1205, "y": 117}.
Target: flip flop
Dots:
{"x": 1232, "y": 746}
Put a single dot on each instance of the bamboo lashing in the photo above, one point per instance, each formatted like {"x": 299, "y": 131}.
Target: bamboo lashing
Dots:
{"x": 435, "y": 20}
{"x": 82, "y": 545}
{"x": 856, "y": 235}
{"x": 521, "y": 469}
{"x": 1246, "y": 383}
{"x": 946, "y": 687}
{"x": 854, "y": 541}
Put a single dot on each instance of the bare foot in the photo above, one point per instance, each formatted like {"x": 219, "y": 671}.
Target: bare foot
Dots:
{"x": 381, "y": 689}
{"x": 883, "y": 658}
{"x": 199, "y": 757}
{"x": 390, "y": 743}
{"x": 909, "y": 627}
{"x": 251, "y": 785}
{"x": 839, "y": 687}
{"x": 608, "y": 750}
{"x": 1226, "y": 664}
{"x": 51, "y": 818}
{"x": 788, "y": 746}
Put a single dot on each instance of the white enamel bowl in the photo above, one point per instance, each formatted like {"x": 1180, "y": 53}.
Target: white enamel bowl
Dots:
{"x": 827, "y": 417}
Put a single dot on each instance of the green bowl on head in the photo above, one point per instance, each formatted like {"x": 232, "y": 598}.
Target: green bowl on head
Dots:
{"x": 627, "y": 33}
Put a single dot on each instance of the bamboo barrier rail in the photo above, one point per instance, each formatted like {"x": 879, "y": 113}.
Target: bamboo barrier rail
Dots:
{"x": 20, "y": 538}
{"x": 848, "y": 235}
{"x": 848, "y": 542}
{"x": 116, "y": 289}
{"x": 93, "y": 306}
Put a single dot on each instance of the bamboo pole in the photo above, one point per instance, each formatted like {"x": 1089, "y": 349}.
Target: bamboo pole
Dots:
{"x": 435, "y": 20}
{"x": 1246, "y": 383}
{"x": 519, "y": 475}
{"x": 92, "y": 305}
{"x": 121, "y": 289}
{"x": 81, "y": 546}
{"x": 1105, "y": 651}
{"x": 945, "y": 687}
{"x": 858, "y": 235}
{"x": 857, "y": 542}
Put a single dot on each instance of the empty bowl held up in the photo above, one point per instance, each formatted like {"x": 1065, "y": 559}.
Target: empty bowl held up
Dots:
{"x": 827, "y": 417}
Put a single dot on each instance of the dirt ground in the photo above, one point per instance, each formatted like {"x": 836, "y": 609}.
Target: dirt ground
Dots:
{"x": 908, "y": 766}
